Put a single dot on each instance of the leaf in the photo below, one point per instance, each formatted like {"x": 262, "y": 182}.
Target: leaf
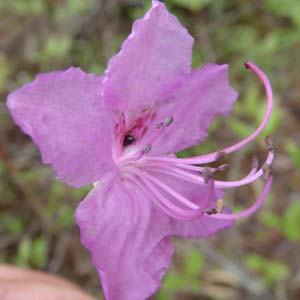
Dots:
{"x": 255, "y": 262}
{"x": 271, "y": 220}
{"x": 286, "y": 8}
{"x": 24, "y": 251}
{"x": 12, "y": 224}
{"x": 194, "y": 263}
{"x": 293, "y": 152}
{"x": 194, "y": 5}
{"x": 291, "y": 222}
{"x": 39, "y": 252}
{"x": 66, "y": 217}
{"x": 271, "y": 270}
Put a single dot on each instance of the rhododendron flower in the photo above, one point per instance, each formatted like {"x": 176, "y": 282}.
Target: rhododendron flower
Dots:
{"x": 120, "y": 131}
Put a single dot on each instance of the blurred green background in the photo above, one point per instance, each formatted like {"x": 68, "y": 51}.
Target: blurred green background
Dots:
{"x": 259, "y": 257}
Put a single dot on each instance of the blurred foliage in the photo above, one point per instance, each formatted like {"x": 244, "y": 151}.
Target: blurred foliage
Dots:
{"x": 31, "y": 253}
{"x": 193, "y": 5}
{"x": 184, "y": 278}
{"x": 44, "y": 35}
{"x": 23, "y": 8}
{"x": 292, "y": 149}
{"x": 288, "y": 8}
{"x": 270, "y": 270}
{"x": 287, "y": 224}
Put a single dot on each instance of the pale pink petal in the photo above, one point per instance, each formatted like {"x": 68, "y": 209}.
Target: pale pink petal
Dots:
{"x": 204, "y": 94}
{"x": 203, "y": 227}
{"x": 150, "y": 64}
{"x": 61, "y": 111}
{"x": 128, "y": 238}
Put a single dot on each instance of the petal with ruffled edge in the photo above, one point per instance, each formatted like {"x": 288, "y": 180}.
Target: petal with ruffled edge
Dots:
{"x": 61, "y": 111}
{"x": 150, "y": 64}
{"x": 129, "y": 239}
{"x": 204, "y": 94}
{"x": 201, "y": 227}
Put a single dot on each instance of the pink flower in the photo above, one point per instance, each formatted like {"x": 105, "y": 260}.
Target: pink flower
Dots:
{"x": 120, "y": 131}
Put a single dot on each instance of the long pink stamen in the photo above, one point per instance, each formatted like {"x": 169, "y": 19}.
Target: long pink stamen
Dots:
{"x": 170, "y": 208}
{"x": 207, "y": 158}
{"x": 171, "y": 191}
{"x": 158, "y": 201}
{"x": 158, "y": 164}
{"x": 194, "y": 178}
{"x": 251, "y": 209}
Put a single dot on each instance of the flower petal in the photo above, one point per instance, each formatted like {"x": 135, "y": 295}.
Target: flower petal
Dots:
{"x": 204, "y": 226}
{"x": 204, "y": 94}
{"x": 61, "y": 111}
{"x": 129, "y": 239}
{"x": 151, "y": 62}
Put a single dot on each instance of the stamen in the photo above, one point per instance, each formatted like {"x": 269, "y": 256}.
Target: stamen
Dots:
{"x": 206, "y": 175}
{"x": 254, "y": 163}
{"x": 267, "y": 171}
{"x": 168, "y": 121}
{"x": 130, "y": 156}
{"x": 269, "y": 143}
{"x": 158, "y": 199}
{"x": 221, "y": 168}
{"x": 251, "y": 209}
{"x": 170, "y": 208}
{"x": 220, "y": 155}
{"x": 211, "y": 211}
{"x": 159, "y": 125}
{"x": 160, "y": 129}
{"x": 171, "y": 191}
{"x": 207, "y": 158}
{"x": 220, "y": 205}
{"x": 147, "y": 148}
{"x": 192, "y": 177}
{"x": 149, "y": 163}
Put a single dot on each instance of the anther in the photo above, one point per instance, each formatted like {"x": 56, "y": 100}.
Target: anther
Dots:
{"x": 211, "y": 211}
{"x": 147, "y": 148}
{"x": 267, "y": 171}
{"x": 220, "y": 155}
{"x": 254, "y": 163}
{"x": 220, "y": 205}
{"x": 168, "y": 121}
{"x": 222, "y": 168}
{"x": 269, "y": 143}
{"x": 207, "y": 174}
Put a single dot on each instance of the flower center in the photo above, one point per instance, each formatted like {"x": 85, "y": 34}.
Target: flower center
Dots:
{"x": 128, "y": 139}
{"x": 135, "y": 134}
